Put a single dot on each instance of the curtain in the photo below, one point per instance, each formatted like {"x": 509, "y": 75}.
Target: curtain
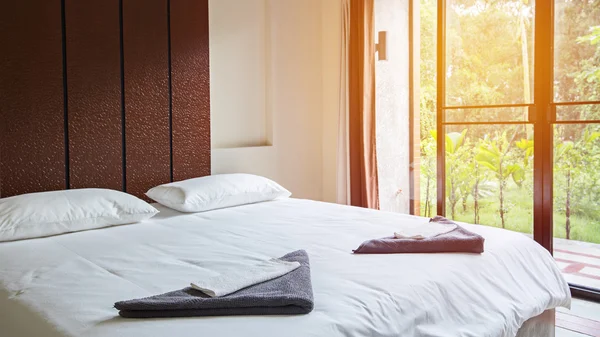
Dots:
{"x": 357, "y": 166}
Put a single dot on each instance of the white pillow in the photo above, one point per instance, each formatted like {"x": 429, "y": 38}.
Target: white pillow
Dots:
{"x": 217, "y": 191}
{"x": 50, "y": 213}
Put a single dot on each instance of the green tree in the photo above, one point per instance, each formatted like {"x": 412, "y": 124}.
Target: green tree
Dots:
{"x": 428, "y": 175}
{"x": 587, "y": 78}
{"x": 474, "y": 183}
{"x": 575, "y": 55}
{"x": 570, "y": 160}
{"x": 456, "y": 155}
{"x": 428, "y": 19}
{"x": 489, "y": 61}
{"x": 493, "y": 155}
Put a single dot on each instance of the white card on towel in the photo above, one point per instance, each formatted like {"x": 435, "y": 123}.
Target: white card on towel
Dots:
{"x": 420, "y": 231}
{"x": 240, "y": 278}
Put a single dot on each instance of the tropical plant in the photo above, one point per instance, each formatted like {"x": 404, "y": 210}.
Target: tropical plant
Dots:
{"x": 570, "y": 159}
{"x": 492, "y": 155}
{"x": 456, "y": 156}
{"x": 476, "y": 184}
{"x": 429, "y": 173}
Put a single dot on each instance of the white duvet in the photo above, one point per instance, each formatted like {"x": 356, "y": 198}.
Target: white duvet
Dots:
{"x": 67, "y": 285}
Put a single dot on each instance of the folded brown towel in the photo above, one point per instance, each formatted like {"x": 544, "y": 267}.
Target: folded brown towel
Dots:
{"x": 458, "y": 240}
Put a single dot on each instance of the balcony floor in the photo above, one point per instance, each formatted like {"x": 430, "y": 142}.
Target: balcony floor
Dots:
{"x": 579, "y": 261}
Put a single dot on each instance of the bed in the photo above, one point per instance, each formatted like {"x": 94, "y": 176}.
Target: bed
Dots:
{"x": 66, "y": 285}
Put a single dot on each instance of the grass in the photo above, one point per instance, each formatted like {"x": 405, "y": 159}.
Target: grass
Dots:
{"x": 520, "y": 216}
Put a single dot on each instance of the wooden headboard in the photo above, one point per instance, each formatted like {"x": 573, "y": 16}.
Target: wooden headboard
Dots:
{"x": 103, "y": 93}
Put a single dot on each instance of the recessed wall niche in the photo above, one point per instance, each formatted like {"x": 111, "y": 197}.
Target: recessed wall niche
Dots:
{"x": 240, "y": 71}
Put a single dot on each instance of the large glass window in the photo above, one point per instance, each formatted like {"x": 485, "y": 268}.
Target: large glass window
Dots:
{"x": 489, "y": 52}
{"x": 576, "y": 136}
{"x": 428, "y": 107}
{"x": 512, "y": 99}
{"x": 576, "y": 50}
{"x": 489, "y": 171}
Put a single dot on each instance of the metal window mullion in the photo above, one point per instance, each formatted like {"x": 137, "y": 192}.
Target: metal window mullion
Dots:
{"x": 543, "y": 128}
{"x": 576, "y": 103}
{"x": 440, "y": 103}
{"x": 492, "y": 106}
{"x": 488, "y": 123}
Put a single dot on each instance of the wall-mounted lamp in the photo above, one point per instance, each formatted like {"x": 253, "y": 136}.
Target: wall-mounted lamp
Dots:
{"x": 381, "y": 46}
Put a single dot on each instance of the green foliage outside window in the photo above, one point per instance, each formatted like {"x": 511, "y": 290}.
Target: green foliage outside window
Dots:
{"x": 489, "y": 168}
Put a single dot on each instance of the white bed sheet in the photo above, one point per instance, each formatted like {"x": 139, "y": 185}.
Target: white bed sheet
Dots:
{"x": 66, "y": 285}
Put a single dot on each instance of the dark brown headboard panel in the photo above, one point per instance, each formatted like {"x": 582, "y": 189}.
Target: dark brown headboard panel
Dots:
{"x": 103, "y": 93}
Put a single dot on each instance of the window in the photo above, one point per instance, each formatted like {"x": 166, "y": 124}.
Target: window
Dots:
{"x": 509, "y": 110}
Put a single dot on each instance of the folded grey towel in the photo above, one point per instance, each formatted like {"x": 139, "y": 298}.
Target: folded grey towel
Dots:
{"x": 286, "y": 295}
{"x": 459, "y": 240}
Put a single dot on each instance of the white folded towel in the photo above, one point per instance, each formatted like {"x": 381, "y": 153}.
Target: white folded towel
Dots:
{"x": 234, "y": 280}
{"x": 421, "y": 231}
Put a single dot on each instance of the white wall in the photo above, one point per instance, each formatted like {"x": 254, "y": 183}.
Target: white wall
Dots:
{"x": 281, "y": 105}
{"x": 240, "y": 49}
{"x": 275, "y": 68}
{"x": 392, "y": 106}
{"x": 392, "y": 86}
{"x": 331, "y": 44}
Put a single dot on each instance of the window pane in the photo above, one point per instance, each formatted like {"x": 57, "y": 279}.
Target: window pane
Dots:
{"x": 489, "y": 175}
{"x": 516, "y": 114}
{"x": 577, "y": 50}
{"x": 427, "y": 118}
{"x": 577, "y": 202}
{"x": 489, "y": 52}
{"x": 578, "y": 112}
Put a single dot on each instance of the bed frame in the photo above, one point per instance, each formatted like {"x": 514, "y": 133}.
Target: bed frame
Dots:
{"x": 539, "y": 326}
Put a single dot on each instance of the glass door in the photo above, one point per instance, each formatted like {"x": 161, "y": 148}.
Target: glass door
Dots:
{"x": 485, "y": 112}
{"x": 517, "y": 123}
{"x": 576, "y": 136}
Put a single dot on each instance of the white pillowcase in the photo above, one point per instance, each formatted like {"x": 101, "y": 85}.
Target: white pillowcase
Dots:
{"x": 50, "y": 213}
{"x": 217, "y": 191}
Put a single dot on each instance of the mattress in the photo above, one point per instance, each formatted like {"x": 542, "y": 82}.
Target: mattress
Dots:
{"x": 66, "y": 285}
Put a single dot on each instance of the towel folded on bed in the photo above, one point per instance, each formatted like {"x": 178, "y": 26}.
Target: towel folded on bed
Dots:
{"x": 234, "y": 280}
{"x": 458, "y": 240}
{"x": 422, "y": 230}
{"x": 286, "y": 295}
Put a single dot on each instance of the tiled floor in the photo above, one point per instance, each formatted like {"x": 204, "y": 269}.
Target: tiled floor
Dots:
{"x": 584, "y": 316}
{"x": 579, "y": 261}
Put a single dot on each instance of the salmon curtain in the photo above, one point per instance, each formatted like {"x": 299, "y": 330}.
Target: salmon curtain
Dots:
{"x": 364, "y": 190}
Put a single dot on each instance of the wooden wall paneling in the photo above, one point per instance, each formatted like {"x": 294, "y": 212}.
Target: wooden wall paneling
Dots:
{"x": 190, "y": 88}
{"x": 32, "y": 142}
{"x": 94, "y": 93}
{"x": 146, "y": 57}
{"x": 103, "y": 93}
